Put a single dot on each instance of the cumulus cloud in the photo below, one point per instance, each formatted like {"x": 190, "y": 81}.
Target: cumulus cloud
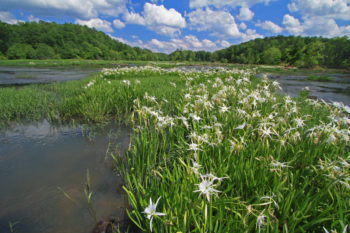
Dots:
{"x": 245, "y": 14}
{"x": 7, "y": 17}
{"x": 224, "y": 3}
{"x": 96, "y": 23}
{"x": 292, "y": 24}
{"x": 270, "y": 26}
{"x": 315, "y": 26}
{"x": 32, "y": 18}
{"x": 242, "y": 26}
{"x": 224, "y": 43}
{"x": 158, "y": 18}
{"x": 189, "y": 42}
{"x": 78, "y": 8}
{"x": 250, "y": 34}
{"x": 134, "y": 18}
{"x": 118, "y": 24}
{"x": 222, "y": 23}
{"x": 337, "y": 9}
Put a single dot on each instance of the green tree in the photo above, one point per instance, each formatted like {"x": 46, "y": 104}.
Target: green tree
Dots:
{"x": 20, "y": 51}
{"x": 43, "y": 51}
{"x": 272, "y": 56}
{"x": 314, "y": 53}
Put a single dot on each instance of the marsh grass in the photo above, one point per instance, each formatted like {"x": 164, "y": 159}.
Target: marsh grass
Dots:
{"x": 319, "y": 78}
{"x": 221, "y": 149}
{"x": 277, "y": 157}
{"x": 25, "y": 76}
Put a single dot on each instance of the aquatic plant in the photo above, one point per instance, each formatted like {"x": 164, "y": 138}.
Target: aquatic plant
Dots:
{"x": 285, "y": 161}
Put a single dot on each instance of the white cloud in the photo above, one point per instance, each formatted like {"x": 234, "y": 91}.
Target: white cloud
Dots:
{"x": 292, "y": 24}
{"x": 250, "y": 34}
{"x": 270, "y": 26}
{"x": 245, "y": 14}
{"x": 134, "y": 18}
{"x": 158, "y": 18}
{"x": 189, "y": 42}
{"x": 118, "y": 24}
{"x": 221, "y": 23}
{"x": 315, "y": 26}
{"x": 223, "y": 3}
{"x": 96, "y": 23}
{"x": 337, "y": 9}
{"x": 31, "y": 18}
{"x": 242, "y": 26}
{"x": 7, "y": 17}
{"x": 224, "y": 44}
{"x": 74, "y": 8}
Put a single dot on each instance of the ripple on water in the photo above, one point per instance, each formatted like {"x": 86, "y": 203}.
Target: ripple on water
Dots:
{"x": 35, "y": 159}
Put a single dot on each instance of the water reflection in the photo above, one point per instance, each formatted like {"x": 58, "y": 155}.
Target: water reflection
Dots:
{"x": 29, "y": 75}
{"x": 36, "y": 159}
{"x": 336, "y": 90}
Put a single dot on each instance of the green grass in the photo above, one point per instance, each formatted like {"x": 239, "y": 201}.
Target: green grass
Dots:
{"x": 25, "y": 76}
{"x": 283, "y": 163}
{"x": 319, "y": 78}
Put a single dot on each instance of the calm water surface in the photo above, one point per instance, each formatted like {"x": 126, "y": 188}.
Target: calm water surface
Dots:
{"x": 28, "y": 75}
{"x": 36, "y": 159}
{"x": 336, "y": 90}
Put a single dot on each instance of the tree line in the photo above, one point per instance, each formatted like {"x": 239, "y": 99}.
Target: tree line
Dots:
{"x": 44, "y": 40}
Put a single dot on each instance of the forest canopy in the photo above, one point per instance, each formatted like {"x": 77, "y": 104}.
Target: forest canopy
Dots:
{"x": 44, "y": 40}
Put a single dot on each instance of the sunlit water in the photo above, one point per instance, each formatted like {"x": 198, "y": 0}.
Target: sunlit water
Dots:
{"x": 36, "y": 159}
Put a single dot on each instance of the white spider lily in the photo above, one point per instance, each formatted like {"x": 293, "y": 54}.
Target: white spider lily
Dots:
{"x": 194, "y": 147}
{"x": 151, "y": 211}
{"x": 196, "y": 167}
{"x": 240, "y": 126}
{"x": 224, "y": 109}
{"x": 206, "y": 187}
{"x": 260, "y": 221}
{"x": 279, "y": 165}
{"x": 344, "y": 231}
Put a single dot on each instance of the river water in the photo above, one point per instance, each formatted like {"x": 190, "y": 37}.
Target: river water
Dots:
{"x": 36, "y": 159}
{"x": 28, "y": 75}
{"x": 338, "y": 89}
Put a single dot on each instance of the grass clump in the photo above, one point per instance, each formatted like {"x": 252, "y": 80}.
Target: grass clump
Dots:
{"x": 231, "y": 156}
{"x": 319, "y": 78}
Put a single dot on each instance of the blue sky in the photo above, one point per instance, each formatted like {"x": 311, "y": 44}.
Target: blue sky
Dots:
{"x": 167, "y": 25}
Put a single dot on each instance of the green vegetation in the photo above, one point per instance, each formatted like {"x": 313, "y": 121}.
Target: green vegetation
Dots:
{"x": 43, "y": 40}
{"x": 319, "y": 78}
{"x": 295, "y": 51}
{"x": 25, "y": 76}
{"x": 214, "y": 151}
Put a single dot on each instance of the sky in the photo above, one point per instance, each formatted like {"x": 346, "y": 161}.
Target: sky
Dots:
{"x": 167, "y": 25}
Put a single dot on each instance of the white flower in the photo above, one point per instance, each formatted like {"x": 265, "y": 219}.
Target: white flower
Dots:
{"x": 224, "y": 109}
{"x": 127, "y": 82}
{"x": 338, "y": 104}
{"x": 151, "y": 211}
{"x": 240, "y": 126}
{"x": 344, "y": 231}
{"x": 206, "y": 187}
{"x": 346, "y": 108}
{"x": 266, "y": 132}
{"x": 279, "y": 165}
{"x": 196, "y": 167}
{"x": 260, "y": 222}
{"x": 194, "y": 147}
